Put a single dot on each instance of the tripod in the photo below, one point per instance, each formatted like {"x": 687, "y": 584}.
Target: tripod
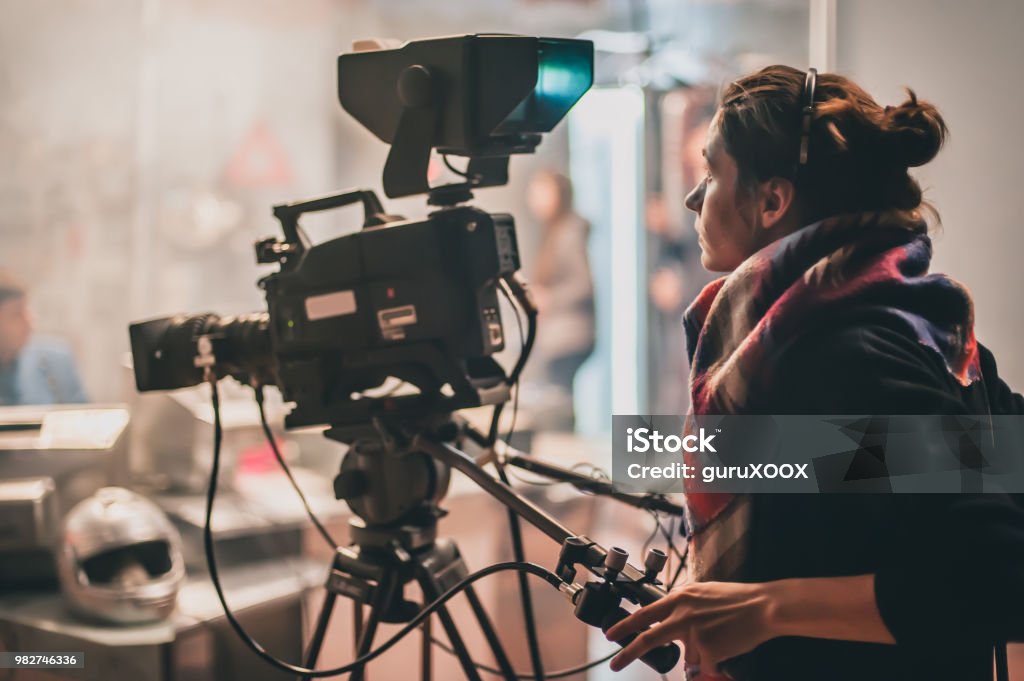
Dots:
{"x": 394, "y": 543}
{"x": 373, "y": 572}
{"x": 394, "y": 486}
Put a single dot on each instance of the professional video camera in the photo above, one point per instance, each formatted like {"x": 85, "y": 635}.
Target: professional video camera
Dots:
{"x": 415, "y": 301}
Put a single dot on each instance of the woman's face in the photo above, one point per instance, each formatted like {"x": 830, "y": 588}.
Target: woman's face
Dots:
{"x": 726, "y": 236}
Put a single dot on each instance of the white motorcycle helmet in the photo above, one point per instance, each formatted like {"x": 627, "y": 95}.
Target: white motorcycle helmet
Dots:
{"x": 120, "y": 558}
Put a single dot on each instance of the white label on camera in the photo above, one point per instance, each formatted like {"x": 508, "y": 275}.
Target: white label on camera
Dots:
{"x": 330, "y": 305}
{"x": 393, "y": 320}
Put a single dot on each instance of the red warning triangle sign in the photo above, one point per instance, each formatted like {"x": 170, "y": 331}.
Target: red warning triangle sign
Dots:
{"x": 260, "y": 161}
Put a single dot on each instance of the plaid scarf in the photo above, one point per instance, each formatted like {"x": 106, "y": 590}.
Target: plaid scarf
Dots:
{"x": 739, "y": 324}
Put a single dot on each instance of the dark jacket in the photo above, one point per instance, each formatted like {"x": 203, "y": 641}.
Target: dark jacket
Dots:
{"x": 949, "y": 568}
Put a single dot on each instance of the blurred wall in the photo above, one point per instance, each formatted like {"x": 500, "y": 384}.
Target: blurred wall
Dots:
{"x": 965, "y": 57}
{"x": 145, "y": 142}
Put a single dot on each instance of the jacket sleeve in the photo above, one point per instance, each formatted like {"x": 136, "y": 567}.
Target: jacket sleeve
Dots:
{"x": 1001, "y": 397}
{"x": 960, "y": 576}
{"x": 955, "y": 571}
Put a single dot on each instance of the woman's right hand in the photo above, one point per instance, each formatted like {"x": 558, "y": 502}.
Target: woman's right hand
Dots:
{"x": 714, "y": 621}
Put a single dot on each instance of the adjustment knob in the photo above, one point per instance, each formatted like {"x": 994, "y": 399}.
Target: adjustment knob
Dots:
{"x": 415, "y": 87}
{"x": 270, "y": 251}
{"x": 616, "y": 559}
{"x": 350, "y": 484}
{"x": 654, "y": 562}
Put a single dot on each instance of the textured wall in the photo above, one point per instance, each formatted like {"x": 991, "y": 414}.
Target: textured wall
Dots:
{"x": 965, "y": 58}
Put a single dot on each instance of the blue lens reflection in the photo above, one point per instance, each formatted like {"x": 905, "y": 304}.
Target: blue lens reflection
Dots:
{"x": 565, "y": 72}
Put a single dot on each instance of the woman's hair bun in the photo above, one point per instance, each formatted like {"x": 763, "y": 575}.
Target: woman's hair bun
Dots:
{"x": 859, "y": 153}
{"x": 913, "y": 132}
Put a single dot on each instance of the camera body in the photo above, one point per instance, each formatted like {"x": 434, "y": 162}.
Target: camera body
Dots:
{"x": 415, "y": 301}
{"x": 412, "y": 300}
{"x": 414, "y": 281}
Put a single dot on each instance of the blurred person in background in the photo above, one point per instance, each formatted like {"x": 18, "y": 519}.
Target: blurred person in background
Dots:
{"x": 562, "y": 285}
{"x": 668, "y": 288}
{"x": 34, "y": 369}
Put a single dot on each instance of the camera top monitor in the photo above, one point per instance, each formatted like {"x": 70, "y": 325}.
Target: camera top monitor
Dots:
{"x": 480, "y": 96}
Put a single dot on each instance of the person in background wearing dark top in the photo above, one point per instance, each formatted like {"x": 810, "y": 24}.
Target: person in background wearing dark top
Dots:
{"x": 561, "y": 282}
{"x": 34, "y": 369}
{"x": 828, "y": 308}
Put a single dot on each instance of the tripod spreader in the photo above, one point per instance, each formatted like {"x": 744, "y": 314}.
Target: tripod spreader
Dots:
{"x": 597, "y": 603}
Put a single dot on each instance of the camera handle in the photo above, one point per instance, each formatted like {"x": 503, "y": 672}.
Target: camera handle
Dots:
{"x": 599, "y": 602}
{"x": 269, "y": 251}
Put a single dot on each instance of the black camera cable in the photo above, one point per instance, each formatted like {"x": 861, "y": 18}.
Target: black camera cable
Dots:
{"x": 516, "y": 290}
{"x": 515, "y": 528}
{"x": 653, "y": 535}
{"x": 515, "y": 384}
{"x": 448, "y": 164}
{"x": 258, "y": 391}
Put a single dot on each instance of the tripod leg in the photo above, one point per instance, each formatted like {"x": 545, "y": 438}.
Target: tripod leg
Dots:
{"x": 357, "y": 626}
{"x": 318, "y": 634}
{"x": 524, "y": 586}
{"x": 385, "y": 592}
{"x": 430, "y": 593}
{"x": 487, "y": 627}
{"x": 425, "y": 664}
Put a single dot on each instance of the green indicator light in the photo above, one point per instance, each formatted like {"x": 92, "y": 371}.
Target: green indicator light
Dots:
{"x": 291, "y": 323}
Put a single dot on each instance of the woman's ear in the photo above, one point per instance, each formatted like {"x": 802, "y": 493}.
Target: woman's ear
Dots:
{"x": 777, "y": 202}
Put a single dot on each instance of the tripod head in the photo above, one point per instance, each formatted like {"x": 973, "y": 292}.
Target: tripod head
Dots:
{"x": 390, "y": 485}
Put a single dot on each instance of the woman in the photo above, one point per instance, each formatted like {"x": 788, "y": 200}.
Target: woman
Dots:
{"x": 829, "y": 309}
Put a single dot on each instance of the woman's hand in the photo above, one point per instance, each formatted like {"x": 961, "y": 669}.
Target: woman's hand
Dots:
{"x": 715, "y": 621}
